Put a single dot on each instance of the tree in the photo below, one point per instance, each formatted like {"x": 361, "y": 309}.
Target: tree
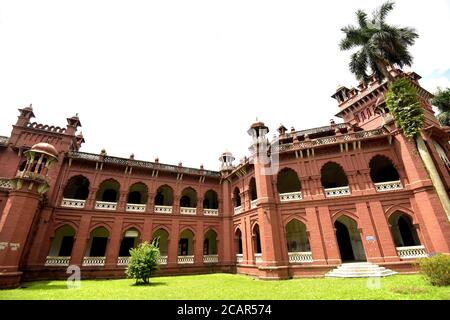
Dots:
{"x": 402, "y": 102}
{"x": 381, "y": 45}
{"x": 442, "y": 101}
{"x": 144, "y": 262}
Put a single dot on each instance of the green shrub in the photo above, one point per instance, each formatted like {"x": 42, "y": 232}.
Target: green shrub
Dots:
{"x": 144, "y": 261}
{"x": 436, "y": 269}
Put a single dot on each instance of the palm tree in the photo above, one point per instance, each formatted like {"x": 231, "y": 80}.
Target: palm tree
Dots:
{"x": 381, "y": 45}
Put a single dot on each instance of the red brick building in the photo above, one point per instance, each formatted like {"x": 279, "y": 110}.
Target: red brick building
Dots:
{"x": 299, "y": 206}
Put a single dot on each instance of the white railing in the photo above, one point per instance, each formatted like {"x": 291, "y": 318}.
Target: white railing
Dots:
{"x": 253, "y": 204}
{"x": 163, "y": 209}
{"x": 187, "y": 210}
{"x": 211, "y": 258}
{"x": 337, "y": 192}
{"x": 57, "y": 261}
{"x": 103, "y": 205}
{"x": 73, "y": 203}
{"x": 6, "y": 183}
{"x": 237, "y": 210}
{"x": 136, "y": 207}
{"x": 162, "y": 259}
{"x": 239, "y": 258}
{"x": 291, "y": 196}
{"x": 210, "y": 212}
{"x": 185, "y": 259}
{"x": 258, "y": 257}
{"x": 388, "y": 186}
{"x": 299, "y": 257}
{"x": 123, "y": 261}
{"x": 411, "y": 252}
{"x": 93, "y": 261}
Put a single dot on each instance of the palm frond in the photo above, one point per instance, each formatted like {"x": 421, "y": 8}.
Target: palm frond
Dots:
{"x": 379, "y": 15}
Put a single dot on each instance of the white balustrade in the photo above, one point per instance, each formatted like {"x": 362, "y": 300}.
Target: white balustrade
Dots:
{"x": 239, "y": 258}
{"x": 123, "y": 261}
{"x": 337, "y": 192}
{"x": 93, "y": 261}
{"x": 388, "y": 186}
{"x": 163, "y": 209}
{"x": 57, "y": 261}
{"x": 237, "y": 210}
{"x": 188, "y": 210}
{"x": 103, "y": 205}
{"x": 411, "y": 252}
{"x": 211, "y": 212}
{"x": 6, "y": 183}
{"x": 185, "y": 259}
{"x": 211, "y": 258}
{"x": 299, "y": 257}
{"x": 73, "y": 203}
{"x": 162, "y": 259}
{"x": 253, "y": 204}
{"x": 135, "y": 207}
{"x": 291, "y": 196}
{"x": 258, "y": 257}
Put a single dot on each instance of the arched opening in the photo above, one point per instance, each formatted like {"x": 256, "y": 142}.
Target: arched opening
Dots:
{"x": 297, "y": 237}
{"x": 349, "y": 240}
{"x": 210, "y": 243}
{"x": 62, "y": 242}
{"x": 382, "y": 170}
{"x": 98, "y": 241}
{"x": 237, "y": 197}
{"x": 23, "y": 165}
{"x": 77, "y": 188}
{"x": 108, "y": 191}
{"x": 188, "y": 198}
{"x": 403, "y": 230}
{"x": 333, "y": 176}
{"x": 138, "y": 194}
{"x": 211, "y": 200}
{"x": 129, "y": 241}
{"x": 287, "y": 181}
{"x": 238, "y": 239}
{"x": 186, "y": 243}
{"x": 253, "y": 192}
{"x": 164, "y": 196}
{"x": 163, "y": 237}
{"x": 256, "y": 239}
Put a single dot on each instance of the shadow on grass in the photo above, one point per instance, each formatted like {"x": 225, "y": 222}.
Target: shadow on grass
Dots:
{"x": 43, "y": 285}
{"x": 151, "y": 284}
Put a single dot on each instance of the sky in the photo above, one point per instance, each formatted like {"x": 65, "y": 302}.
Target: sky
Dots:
{"x": 184, "y": 80}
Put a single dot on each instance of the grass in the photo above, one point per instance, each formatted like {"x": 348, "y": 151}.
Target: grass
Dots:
{"x": 231, "y": 286}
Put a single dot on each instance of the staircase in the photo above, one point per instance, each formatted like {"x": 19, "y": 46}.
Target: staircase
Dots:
{"x": 360, "y": 270}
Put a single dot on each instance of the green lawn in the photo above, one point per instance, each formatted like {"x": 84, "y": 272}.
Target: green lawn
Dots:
{"x": 230, "y": 286}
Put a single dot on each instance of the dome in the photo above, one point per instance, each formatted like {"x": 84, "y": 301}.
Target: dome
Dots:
{"x": 46, "y": 148}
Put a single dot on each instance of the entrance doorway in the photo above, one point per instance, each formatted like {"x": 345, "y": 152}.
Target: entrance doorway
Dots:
{"x": 349, "y": 240}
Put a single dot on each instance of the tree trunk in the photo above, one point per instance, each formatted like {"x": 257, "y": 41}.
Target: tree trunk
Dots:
{"x": 434, "y": 175}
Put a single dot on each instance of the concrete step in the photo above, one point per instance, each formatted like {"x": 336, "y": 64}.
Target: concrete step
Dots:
{"x": 360, "y": 270}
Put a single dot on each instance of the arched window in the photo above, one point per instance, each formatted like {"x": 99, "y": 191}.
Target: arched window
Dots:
{"x": 98, "y": 242}
{"x": 382, "y": 170}
{"x": 253, "y": 192}
{"x": 333, "y": 176}
{"x": 62, "y": 242}
{"x": 287, "y": 181}
{"x": 138, "y": 194}
{"x": 403, "y": 231}
{"x": 296, "y": 237}
{"x": 129, "y": 241}
{"x": 185, "y": 245}
{"x": 256, "y": 239}
{"x": 210, "y": 201}
{"x": 108, "y": 191}
{"x": 163, "y": 240}
{"x": 23, "y": 165}
{"x": 210, "y": 243}
{"x": 164, "y": 196}
{"x": 237, "y": 197}
{"x": 238, "y": 237}
{"x": 77, "y": 188}
{"x": 188, "y": 198}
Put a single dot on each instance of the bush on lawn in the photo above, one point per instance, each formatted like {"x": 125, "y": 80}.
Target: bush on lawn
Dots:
{"x": 144, "y": 261}
{"x": 436, "y": 269}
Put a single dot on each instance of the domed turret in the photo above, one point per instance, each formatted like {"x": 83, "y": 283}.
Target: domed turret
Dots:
{"x": 39, "y": 159}
{"x": 226, "y": 161}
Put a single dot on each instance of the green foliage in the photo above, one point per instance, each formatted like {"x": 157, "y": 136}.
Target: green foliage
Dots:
{"x": 436, "y": 269}
{"x": 402, "y": 102}
{"x": 444, "y": 118}
{"x": 144, "y": 261}
{"x": 442, "y": 100}
{"x": 380, "y": 44}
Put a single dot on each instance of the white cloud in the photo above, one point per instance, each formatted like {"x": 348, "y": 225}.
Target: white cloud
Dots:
{"x": 183, "y": 80}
